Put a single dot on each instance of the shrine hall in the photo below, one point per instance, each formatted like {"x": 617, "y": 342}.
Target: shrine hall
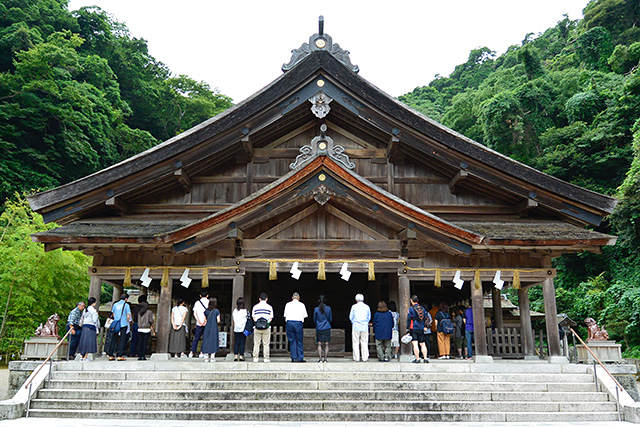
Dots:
{"x": 322, "y": 172}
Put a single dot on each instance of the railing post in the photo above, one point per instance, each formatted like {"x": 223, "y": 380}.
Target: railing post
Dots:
{"x": 618, "y": 403}
{"x": 28, "y": 401}
{"x": 595, "y": 376}
{"x": 50, "y": 373}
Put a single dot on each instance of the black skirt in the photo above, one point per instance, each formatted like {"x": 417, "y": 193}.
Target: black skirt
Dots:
{"x": 88, "y": 340}
{"x": 323, "y": 336}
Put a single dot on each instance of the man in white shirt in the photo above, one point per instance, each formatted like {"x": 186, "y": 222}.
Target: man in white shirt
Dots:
{"x": 201, "y": 321}
{"x": 294, "y": 313}
{"x": 262, "y": 328}
{"x": 360, "y": 316}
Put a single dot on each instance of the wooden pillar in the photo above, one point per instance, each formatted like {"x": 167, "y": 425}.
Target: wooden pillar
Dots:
{"x": 237, "y": 291}
{"x": 479, "y": 324}
{"x": 95, "y": 289}
{"x": 164, "y": 317}
{"x": 525, "y": 323}
{"x": 404, "y": 294}
{"x": 117, "y": 293}
{"x": 496, "y": 300}
{"x": 551, "y": 317}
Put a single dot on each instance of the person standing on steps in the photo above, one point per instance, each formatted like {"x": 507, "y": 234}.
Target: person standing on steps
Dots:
{"x": 432, "y": 344}
{"x": 360, "y": 316}
{"x": 178, "y": 334}
{"x": 419, "y": 325}
{"x": 395, "y": 333}
{"x": 322, "y": 318}
{"x": 90, "y": 325}
{"x": 383, "y": 327}
{"x": 294, "y": 314}
{"x": 444, "y": 326}
{"x": 201, "y": 320}
{"x": 262, "y": 315}
{"x": 239, "y": 316}
{"x": 468, "y": 330}
{"x": 210, "y": 337}
{"x": 121, "y": 313}
{"x": 458, "y": 335}
{"x": 145, "y": 327}
{"x": 74, "y": 321}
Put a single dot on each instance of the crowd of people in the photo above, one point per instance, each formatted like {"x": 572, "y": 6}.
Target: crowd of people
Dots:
{"x": 128, "y": 330}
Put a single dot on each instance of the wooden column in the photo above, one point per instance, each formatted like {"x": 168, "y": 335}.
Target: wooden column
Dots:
{"x": 496, "y": 300}
{"x": 249, "y": 303}
{"x": 237, "y": 291}
{"x": 404, "y": 294}
{"x": 95, "y": 289}
{"x": 117, "y": 292}
{"x": 479, "y": 326}
{"x": 551, "y": 317}
{"x": 164, "y": 317}
{"x": 525, "y": 323}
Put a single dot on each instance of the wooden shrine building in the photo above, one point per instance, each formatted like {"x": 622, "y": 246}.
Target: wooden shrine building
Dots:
{"x": 320, "y": 167}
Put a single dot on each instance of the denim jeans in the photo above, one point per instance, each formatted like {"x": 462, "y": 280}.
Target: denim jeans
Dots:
{"x": 469, "y": 336}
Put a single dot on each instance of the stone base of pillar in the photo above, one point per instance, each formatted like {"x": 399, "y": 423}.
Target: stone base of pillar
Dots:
{"x": 531, "y": 358}
{"x": 160, "y": 357}
{"x": 483, "y": 359}
{"x": 557, "y": 359}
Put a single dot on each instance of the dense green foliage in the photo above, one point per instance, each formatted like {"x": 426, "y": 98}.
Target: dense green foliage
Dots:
{"x": 567, "y": 102}
{"x": 77, "y": 94}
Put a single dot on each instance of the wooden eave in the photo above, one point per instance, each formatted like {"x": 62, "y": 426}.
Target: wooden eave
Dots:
{"x": 221, "y": 135}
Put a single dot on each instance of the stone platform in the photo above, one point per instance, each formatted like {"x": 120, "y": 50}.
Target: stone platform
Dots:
{"x": 338, "y": 391}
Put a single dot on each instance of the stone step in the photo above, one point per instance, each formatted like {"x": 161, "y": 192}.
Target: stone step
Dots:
{"x": 319, "y": 385}
{"x": 346, "y": 416}
{"x": 191, "y": 395}
{"x": 319, "y": 376}
{"x": 320, "y": 405}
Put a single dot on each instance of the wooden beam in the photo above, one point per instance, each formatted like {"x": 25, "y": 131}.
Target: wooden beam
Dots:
{"x": 460, "y": 176}
{"x": 392, "y": 148}
{"x": 291, "y": 135}
{"x": 361, "y": 142}
{"x": 117, "y": 205}
{"x": 407, "y": 234}
{"x": 288, "y": 222}
{"x": 236, "y": 233}
{"x": 354, "y": 222}
{"x": 184, "y": 180}
{"x": 331, "y": 245}
{"x": 525, "y": 206}
{"x": 247, "y": 148}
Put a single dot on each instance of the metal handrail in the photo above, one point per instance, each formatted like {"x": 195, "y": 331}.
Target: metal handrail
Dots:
{"x": 47, "y": 359}
{"x": 595, "y": 358}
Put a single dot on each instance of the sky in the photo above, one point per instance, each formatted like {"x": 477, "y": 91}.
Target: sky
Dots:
{"x": 239, "y": 46}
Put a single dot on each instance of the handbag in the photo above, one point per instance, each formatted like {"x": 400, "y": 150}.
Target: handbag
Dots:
{"x": 248, "y": 327}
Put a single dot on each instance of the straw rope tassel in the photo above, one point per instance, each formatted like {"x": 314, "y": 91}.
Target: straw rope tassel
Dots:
{"x": 205, "y": 278}
{"x": 437, "y": 282}
{"x": 321, "y": 272}
{"x": 372, "y": 272}
{"x": 516, "y": 279}
{"x": 477, "y": 280}
{"x": 165, "y": 277}
{"x": 127, "y": 278}
{"x": 273, "y": 273}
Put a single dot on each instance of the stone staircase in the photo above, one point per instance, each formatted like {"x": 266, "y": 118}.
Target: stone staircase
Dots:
{"x": 338, "y": 391}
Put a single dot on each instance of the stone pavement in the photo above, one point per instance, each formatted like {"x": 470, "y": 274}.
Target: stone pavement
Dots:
{"x": 62, "y": 422}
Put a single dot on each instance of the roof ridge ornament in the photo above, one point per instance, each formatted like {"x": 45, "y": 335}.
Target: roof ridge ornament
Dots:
{"x": 320, "y": 41}
{"x": 322, "y": 145}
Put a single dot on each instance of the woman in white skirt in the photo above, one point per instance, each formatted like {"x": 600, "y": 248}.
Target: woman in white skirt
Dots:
{"x": 90, "y": 325}
{"x": 178, "y": 335}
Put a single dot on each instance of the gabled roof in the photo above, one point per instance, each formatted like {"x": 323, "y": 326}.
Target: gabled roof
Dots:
{"x": 416, "y": 131}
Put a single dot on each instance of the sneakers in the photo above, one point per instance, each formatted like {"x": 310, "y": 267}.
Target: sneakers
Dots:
{"x": 442, "y": 357}
{"x": 121, "y": 358}
{"x": 426, "y": 360}
{"x": 190, "y": 355}
{"x": 201, "y": 356}
{"x": 417, "y": 361}
{"x": 183, "y": 356}
{"x": 256, "y": 360}
{"x": 265, "y": 360}
{"x": 207, "y": 360}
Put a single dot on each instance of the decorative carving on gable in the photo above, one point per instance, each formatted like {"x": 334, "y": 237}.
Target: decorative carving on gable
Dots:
{"x": 322, "y": 194}
{"x": 320, "y": 41}
{"x": 322, "y": 145}
{"x": 320, "y": 104}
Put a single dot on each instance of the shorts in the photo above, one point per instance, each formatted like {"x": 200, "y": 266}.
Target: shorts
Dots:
{"x": 323, "y": 336}
{"x": 461, "y": 342}
{"x": 418, "y": 335}
{"x": 395, "y": 339}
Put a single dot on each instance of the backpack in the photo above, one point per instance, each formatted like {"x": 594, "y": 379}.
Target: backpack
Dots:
{"x": 445, "y": 325}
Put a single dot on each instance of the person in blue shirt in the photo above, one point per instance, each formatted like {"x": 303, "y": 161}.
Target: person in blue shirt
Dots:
{"x": 121, "y": 313}
{"x": 419, "y": 326}
{"x": 322, "y": 318}
{"x": 469, "y": 330}
{"x": 383, "y": 327}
